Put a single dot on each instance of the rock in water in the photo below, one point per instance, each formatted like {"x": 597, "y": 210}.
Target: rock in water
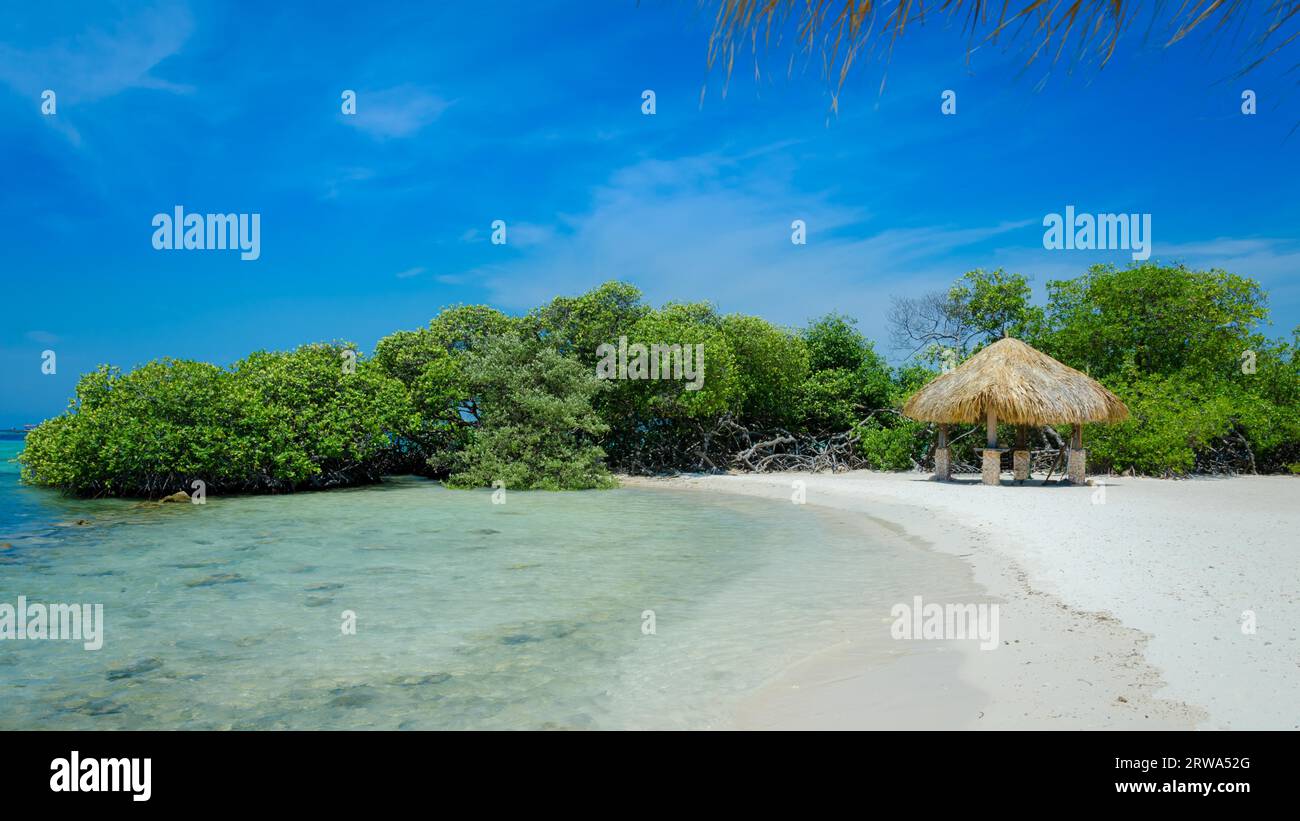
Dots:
{"x": 92, "y": 707}
{"x": 356, "y": 696}
{"x": 134, "y": 669}
{"x": 217, "y": 578}
{"x": 419, "y": 681}
{"x": 178, "y": 496}
{"x": 519, "y": 638}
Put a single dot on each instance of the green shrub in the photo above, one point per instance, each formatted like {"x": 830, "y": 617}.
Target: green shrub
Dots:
{"x": 537, "y": 429}
{"x": 900, "y": 447}
{"x": 1172, "y": 419}
{"x": 272, "y": 422}
{"x": 847, "y": 379}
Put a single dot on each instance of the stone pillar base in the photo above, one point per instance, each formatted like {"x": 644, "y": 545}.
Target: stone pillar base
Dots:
{"x": 1021, "y": 460}
{"x": 992, "y": 468}
{"x": 1076, "y": 469}
{"x": 942, "y": 464}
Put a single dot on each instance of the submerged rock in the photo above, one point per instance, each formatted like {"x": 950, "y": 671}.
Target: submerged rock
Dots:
{"x": 562, "y": 630}
{"x": 217, "y": 578}
{"x": 419, "y": 681}
{"x": 313, "y": 588}
{"x": 133, "y": 669}
{"x": 319, "y": 601}
{"x": 519, "y": 638}
{"x": 92, "y": 707}
{"x": 358, "y": 696}
{"x": 486, "y": 531}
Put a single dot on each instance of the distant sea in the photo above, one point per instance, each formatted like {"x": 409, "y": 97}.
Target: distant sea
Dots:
{"x": 630, "y": 608}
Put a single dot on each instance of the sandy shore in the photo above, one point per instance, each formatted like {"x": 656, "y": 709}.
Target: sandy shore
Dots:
{"x": 1121, "y": 606}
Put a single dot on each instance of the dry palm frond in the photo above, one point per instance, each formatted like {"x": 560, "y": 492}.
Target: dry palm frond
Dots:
{"x": 1021, "y": 385}
{"x": 839, "y": 30}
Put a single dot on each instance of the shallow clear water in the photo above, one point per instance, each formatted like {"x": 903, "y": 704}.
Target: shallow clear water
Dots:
{"x": 469, "y": 614}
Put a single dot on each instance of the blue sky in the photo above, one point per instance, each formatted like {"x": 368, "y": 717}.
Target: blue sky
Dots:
{"x": 531, "y": 113}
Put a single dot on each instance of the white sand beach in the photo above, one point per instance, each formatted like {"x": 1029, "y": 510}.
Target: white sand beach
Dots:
{"x": 1121, "y": 604}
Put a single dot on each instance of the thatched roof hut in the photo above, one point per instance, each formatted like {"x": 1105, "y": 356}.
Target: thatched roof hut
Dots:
{"x": 1021, "y": 385}
{"x": 1011, "y": 382}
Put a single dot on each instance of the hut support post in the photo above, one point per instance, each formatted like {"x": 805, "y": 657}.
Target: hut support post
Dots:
{"x": 1077, "y": 466}
{"x": 1020, "y": 456}
{"x": 942, "y": 459}
{"x": 991, "y": 470}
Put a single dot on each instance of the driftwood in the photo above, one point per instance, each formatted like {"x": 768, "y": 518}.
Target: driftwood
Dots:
{"x": 1230, "y": 454}
{"x": 1055, "y": 464}
{"x": 779, "y": 449}
{"x": 726, "y": 444}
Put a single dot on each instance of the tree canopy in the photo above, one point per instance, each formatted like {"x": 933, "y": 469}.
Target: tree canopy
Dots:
{"x": 479, "y": 398}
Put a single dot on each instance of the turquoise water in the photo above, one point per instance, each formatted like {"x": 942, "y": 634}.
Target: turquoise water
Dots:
{"x": 469, "y": 614}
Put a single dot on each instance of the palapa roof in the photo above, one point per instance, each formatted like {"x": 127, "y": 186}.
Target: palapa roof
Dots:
{"x": 1022, "y": 386}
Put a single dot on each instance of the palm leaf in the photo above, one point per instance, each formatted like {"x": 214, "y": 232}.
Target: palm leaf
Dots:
{"x": 837, "y": 32}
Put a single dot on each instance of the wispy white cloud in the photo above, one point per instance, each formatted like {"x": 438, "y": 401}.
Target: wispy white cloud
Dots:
{"x": 401, "y": 111}
{"x": 97, "y": 62}
{"x": 705, "y": 227}
{"x": 43, "y": 337}
{"x": 1264, "y": 258}
{"x": 336, "y": 183}
{"x": 518, "y": 234}
{"x": 411, "y": 272}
